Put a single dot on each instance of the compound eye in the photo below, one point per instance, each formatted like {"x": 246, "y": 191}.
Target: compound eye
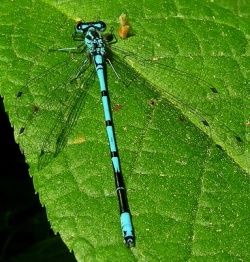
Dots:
{"x": 82, "y": 27}
{"x": 79, "y": 26}
{"x": 102, "y": 26}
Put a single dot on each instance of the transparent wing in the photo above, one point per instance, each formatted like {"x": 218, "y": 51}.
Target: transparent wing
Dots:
{"x": 189, "y": 93}
{"x": 49, "y": 104}
{"x": 176, "y": 85}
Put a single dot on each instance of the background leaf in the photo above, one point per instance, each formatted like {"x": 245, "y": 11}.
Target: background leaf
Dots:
{"x": 188, "y": 197}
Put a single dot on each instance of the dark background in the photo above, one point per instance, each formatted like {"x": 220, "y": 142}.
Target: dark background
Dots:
{"x": 25, "y": 233}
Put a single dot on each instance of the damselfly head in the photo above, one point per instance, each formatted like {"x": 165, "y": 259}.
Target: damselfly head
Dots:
{"x": 84, "y": 27}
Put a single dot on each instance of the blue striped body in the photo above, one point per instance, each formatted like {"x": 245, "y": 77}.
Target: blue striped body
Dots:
{"x": 96, "y": 48}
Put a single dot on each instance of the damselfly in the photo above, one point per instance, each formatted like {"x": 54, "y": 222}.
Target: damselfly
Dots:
{"x": 69, "y": 82}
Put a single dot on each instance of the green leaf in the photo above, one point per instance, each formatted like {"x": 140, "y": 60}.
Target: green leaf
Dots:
{"x": 188, "y": 188}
